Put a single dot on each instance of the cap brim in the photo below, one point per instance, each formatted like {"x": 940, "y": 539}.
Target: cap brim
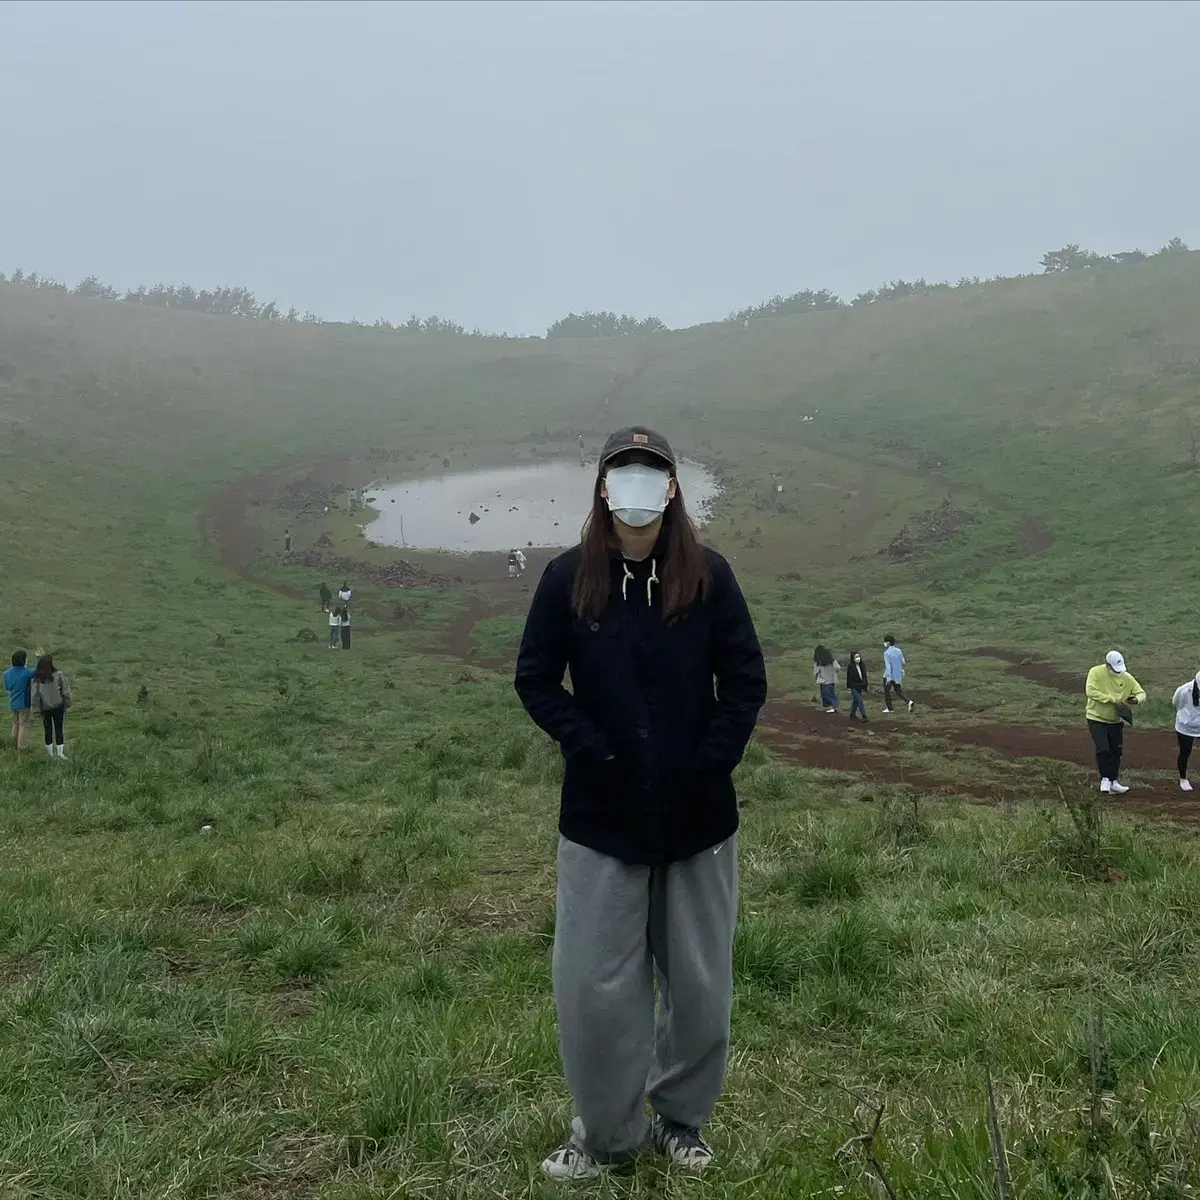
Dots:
{"x": 640, "y": 450}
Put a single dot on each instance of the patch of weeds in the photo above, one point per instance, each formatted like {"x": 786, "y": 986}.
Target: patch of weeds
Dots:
{"x": 331, "y": 873}
{"x": 1082, "y": 848}
{"x": 766, "y": 952}
{"x": 851, "y": 946}
{"x": 900, "y": 823}
{"x": 768, "y": 785}
{"x": 820, "y": 881}
{"x": 309, "y": 952}
{"x": 515, "y": 753}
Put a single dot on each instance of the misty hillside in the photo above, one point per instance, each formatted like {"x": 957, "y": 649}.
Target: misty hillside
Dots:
{"x": 1111, "y": 352}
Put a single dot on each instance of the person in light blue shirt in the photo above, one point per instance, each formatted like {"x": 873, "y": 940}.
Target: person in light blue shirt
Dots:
{"x": 893, "y": 674}
{"x": 16, "y": 682}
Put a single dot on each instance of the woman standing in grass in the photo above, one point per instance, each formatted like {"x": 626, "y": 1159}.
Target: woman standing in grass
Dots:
{"x": 857, "y": 682}
{"x": 1187, "y": 725}
{"x": 1109, "y": 688}
{"x": 345, "y": 627}
{"x": 825, "y": 672}
{"x": 647, "y": 620}
{"x": 335, "y": 625}
{"x": 50, "y": 697}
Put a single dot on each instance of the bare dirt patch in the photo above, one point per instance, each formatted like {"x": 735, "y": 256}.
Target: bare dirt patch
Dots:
{"x": 929, "y": 529}
{"x": 1034, "y": 668}
{"x": 398, "y": 574}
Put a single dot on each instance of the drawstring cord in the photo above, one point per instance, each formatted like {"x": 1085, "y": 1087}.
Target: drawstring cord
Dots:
{"x": 653, "y": 579}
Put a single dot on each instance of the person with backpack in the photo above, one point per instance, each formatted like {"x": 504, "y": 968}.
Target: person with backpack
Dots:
{"x": 1110, "y": 690}
{"x": 16, "y": 682}
{"x": 857, "y": 682}
{"x": 1187, "y": 725}
{"x": 667, "y": 680}
{"x": 335, "y": 625}
{"x": 825, "y": 672}
{"x": 50, "y": 697}
{"x": 345, "y": 593}
{"x": 893, "y": 674}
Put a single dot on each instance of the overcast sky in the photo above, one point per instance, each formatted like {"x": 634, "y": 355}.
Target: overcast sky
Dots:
{"x": 503, "y": 163}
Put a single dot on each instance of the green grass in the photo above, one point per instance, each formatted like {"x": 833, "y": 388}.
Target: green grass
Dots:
{"x": 342, "y": 989}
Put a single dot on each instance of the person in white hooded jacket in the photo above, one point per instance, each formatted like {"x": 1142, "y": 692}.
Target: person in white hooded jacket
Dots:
{"x": 1187, "y": 725}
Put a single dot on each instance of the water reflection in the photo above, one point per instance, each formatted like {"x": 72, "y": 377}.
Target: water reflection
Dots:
{"x": 541, "y": 504}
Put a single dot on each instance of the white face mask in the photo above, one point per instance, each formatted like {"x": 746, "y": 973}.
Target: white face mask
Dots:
{"x": 637, "y": 495}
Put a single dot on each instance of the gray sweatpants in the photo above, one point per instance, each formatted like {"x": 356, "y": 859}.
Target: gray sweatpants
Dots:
{"x": 619, "y": 927}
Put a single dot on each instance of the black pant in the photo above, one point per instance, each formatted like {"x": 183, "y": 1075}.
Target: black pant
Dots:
{"x": 1185, "y": 752}
{"x": 1109, "y": 741}
{"x": 890, "y": 688}
{"x": 345, "y": 637}
{"x": 52, "y": 724}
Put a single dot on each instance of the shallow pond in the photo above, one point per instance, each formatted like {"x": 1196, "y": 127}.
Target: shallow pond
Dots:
{"x": 541, "y": 504}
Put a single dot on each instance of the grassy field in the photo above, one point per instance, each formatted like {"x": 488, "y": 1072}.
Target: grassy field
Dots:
{"x": 341, "y": 989}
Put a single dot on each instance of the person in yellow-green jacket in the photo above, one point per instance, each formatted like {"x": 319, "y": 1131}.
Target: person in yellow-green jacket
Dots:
{"x": 1110, "y": 687}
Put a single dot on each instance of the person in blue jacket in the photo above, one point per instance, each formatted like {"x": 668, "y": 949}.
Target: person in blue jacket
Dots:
{"x": 667, "y": 680}
{"x": 893, "y": 674}
{"x": 16, "y": 682}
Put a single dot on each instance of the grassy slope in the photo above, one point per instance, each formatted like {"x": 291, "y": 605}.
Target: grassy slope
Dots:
{"x": 342, "y": 990}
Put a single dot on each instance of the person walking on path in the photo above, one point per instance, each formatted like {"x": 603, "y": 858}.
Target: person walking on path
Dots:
{"x": 1187, "y": 725}
{"x": 1110, "y": 689}
{"x": 857, "y": 682}
{"x": 345, "y": 627}
{"x": 335, "y": 625}
{"x": 825, "y": 672}
{"x": 893, "y": 674}
{"x": 326, "y": 597}
{"x": 50, "y": 697}
{"x": 16, "y": 681}
{"x": 667, "y": 682}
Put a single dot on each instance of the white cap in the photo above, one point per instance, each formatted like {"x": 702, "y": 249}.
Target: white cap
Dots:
{"x": 1116, "y": 660}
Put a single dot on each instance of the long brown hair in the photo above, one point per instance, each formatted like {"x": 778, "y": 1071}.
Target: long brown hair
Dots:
{"x": 45, "y": 669}
{"x": 683, "y": 569}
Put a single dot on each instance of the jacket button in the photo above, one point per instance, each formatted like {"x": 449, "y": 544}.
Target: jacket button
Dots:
{"x": 643, "y": 734}
{"x": 595, "y": 626}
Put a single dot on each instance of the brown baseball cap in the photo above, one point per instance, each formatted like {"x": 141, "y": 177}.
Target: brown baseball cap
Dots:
{"x": 638, "y": 437}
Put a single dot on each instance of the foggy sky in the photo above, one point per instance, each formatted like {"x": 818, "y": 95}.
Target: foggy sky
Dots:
{"x": 503, "y": 163}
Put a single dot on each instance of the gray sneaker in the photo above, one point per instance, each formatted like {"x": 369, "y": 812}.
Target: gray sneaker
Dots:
{"x": 569, "y": 1162}
{"x": 682, "y": 1144}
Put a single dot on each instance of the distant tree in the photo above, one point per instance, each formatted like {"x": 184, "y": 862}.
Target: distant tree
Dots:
{"x": 311, "y": 318}
{"x": 436, "y": 324}
{"x": 269, "y": 311}
{"x": 1175, "y": 246}
{"x": 1125, "y": 257}
{"x": 92, "y": 288}
{"x": 590, "y": 324}
{"x": 1070, "y": 258}
{"x": 803, "y": 301}
{"x": 18, "y": 276}
{"x": 292, "y": 315}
